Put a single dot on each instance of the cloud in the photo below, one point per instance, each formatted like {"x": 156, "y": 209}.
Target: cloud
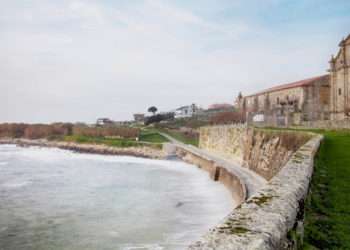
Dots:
{"x": 78, "y": 60}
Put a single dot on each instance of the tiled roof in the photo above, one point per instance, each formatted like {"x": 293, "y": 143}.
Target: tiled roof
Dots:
{"x": 301, "y": 83}
{"x": 220, "y": 106}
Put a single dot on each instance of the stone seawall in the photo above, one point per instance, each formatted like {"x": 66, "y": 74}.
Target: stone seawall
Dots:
{"x": 216, "y": 172}
{"x": 145, "y": 152}
{"x": 262, "y": 151}
{"x": 272, "y": 218}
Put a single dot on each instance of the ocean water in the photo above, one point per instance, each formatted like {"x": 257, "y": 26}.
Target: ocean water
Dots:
{"x": 54, "y": 199}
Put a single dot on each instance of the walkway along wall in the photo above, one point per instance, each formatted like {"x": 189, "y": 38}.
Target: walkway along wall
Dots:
{"x": 216, "y": 172}
{"x": 273, "y": 217}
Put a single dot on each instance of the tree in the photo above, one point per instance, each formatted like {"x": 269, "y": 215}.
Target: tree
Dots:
{"x": 152, "y": 109}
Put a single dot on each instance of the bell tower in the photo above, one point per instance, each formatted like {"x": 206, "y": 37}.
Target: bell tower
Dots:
{"x": 340, "y": 81}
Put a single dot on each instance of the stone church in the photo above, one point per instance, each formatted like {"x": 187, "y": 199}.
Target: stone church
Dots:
{"x": 340, "y": 81}
{"x": 318, "y": 98}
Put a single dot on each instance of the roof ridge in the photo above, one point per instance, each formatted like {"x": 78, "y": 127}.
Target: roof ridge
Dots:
{"x": 289, "y": 85}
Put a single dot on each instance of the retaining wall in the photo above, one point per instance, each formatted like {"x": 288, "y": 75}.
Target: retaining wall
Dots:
{"x": 327, "y": 124}
{"x": 216, "y": 172}
{"x": 260, "y": 150}
{"x": 273, "y": 217}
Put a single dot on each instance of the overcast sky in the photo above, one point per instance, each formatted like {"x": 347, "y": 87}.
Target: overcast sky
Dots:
{"x": 68, "y": 60}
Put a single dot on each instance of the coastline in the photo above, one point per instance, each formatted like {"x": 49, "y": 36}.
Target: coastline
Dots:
{"x": 144, "y": 152}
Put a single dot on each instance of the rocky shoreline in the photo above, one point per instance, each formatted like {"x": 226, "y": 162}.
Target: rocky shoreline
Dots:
{"x": 145, "y": 152}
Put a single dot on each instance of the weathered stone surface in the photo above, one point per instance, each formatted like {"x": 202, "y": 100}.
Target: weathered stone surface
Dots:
{"x": 263, "y": 151}
{"x": 223, "y": 141}
{"x": 264, "y": 220}
{"x": 216, "y": 170}
{"x": 327, "y": 124}
{"x": 340, "y": 81}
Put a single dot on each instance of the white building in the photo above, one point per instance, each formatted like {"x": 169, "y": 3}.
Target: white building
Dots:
{"x": 186, "y": 111}
{"x": 104, "y": 122}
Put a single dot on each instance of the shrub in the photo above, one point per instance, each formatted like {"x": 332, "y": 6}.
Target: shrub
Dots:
{"x": 228, "y": 118}
{"x": 123, "y": 132}
{"x": 35, "y": 131}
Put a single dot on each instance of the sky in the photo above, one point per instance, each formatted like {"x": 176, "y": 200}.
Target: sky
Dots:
{"x": 71, "y": 60}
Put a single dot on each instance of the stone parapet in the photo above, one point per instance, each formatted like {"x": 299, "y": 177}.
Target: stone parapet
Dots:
{"x": 326, "y": 124}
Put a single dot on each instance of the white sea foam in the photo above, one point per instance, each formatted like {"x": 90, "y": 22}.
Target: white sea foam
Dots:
{"x": 114, "y": 234}
{"x": 15, "y": 184}
{"x": 143, "y": 247}
{"x": 8, "y": 146}
{"x": 55, "y": 154}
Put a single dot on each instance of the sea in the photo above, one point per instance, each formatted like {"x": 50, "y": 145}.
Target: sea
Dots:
{"x": 54, "y": 199}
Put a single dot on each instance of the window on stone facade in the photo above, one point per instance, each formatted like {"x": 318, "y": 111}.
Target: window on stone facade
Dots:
{"x": 278, "y": 100}
{"x": 339, "y": 91}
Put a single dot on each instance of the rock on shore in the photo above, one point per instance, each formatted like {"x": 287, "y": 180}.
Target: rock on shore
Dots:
{"x": 146, "y": 152}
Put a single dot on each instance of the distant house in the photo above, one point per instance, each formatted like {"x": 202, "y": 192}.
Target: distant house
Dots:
{"x": 139, "y": 118}
{"x": 220, "y": 106}
{"x": 104, "y": 122}
{"x": 216, "y": 108}
{"x": 186, "y": 111}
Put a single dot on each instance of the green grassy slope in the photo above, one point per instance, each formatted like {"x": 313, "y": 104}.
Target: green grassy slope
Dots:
{"x": 181, "y": 137}
{"x": 327, "y": 221}
{"x": 152, "y": 136}
{"x": 114, "y": 142}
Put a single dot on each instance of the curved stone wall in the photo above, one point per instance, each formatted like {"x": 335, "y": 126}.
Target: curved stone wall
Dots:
{"x": 272, "y": 217}
{"x": 216, "y": 172}
{"x": 260, "y": 150}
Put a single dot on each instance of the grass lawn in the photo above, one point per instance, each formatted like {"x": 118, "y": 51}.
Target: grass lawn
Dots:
{"x": 181, "y": 137}
{"x": 114, "y": 142}
{"x": 152, "y": 136}
{"x": 327, "y": 221}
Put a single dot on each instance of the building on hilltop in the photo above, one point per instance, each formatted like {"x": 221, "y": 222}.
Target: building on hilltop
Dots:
{"x": 220, "y": 106}
{"x": 288, "y": 104}
{"x": 139, "y": 118}
{"x": 319, "y": 98}
{"x": 104, "y": 122}
{"x": 186, "y": 111}
{"x": 216, "y": 108}
{"x": 340, "y": 81}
